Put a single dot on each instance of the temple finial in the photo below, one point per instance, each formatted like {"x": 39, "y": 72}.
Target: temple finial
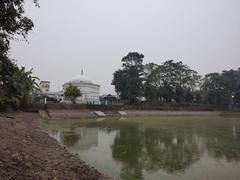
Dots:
{"x": 82, "y": 72}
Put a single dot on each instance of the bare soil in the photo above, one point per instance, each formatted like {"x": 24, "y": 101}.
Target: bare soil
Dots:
{"x": 28, "y": 153}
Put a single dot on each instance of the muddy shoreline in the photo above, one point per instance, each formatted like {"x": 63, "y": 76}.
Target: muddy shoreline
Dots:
{"x": 86, "y": 113}
{"x": 29, "y": 153}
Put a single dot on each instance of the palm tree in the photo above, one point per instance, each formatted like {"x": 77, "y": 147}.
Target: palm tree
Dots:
{"x": 22, "y": 85}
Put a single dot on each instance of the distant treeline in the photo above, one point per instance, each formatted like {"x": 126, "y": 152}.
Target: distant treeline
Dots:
{"x": 173, "y": 82}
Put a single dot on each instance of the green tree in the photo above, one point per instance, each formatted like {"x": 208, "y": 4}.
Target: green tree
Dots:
{"x": 13, "y": 21}
{"x": 149, "y": 68}
{"x": 13, "y": 25}
{"x": 119, "y": 81}
{"x": 128, "y": 81}
{"x": 231, "y": 82}
{"x": 212, "y": 89}
{"x": 16, "y": 85}
{"x": 21, "y": 85}
{"x": 222, "y": 89}
{"x": 72, "y": 92}
{"x": 172, "y": 81}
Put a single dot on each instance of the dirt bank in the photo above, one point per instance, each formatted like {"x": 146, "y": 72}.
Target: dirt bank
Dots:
{"x": 78, "y": 114}
{"x": 70, "y": 113}
{"x": 26, "y": 152}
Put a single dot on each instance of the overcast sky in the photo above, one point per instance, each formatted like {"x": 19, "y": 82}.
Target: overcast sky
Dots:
{"x": 95, "y": 34}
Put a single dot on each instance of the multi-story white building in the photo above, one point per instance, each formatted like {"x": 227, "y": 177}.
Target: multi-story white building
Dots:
{"x": 90, "y": 91}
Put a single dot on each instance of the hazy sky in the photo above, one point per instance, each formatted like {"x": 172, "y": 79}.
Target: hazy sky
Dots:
{"x": 96, "y": 34}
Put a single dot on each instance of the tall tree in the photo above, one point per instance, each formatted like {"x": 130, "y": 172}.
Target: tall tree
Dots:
{"x": 149, "y": 68}
{"x": 172, "y": 81}
{"x": 128, "y": 81}
{"x": 222, "y": 89}
{"x": 213, "y": 89}
{"x": 13, "y": 25}
{"x": 119, "y": 81}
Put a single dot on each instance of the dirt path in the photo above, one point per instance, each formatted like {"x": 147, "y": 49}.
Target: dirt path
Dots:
{"x": 26, "y": 152}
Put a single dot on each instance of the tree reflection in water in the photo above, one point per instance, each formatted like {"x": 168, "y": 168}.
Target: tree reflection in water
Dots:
{"x": 222, "y": 144}
{"x": 127, "y": 148}
{"x": 169, "y": 145}
{"x": 170, "y": 149}
{"x": 152, "y": 149}
{"x": 69, "y": 138}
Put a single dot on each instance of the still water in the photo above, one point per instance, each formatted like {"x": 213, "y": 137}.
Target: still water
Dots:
{"x": 173, "y": 148}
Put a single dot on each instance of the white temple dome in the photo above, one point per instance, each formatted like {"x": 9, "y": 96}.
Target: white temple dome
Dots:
{"x": 80, "y": 78}
{"x": 90, "y": 91}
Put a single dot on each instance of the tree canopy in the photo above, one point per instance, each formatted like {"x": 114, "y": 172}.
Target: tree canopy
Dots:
{"x": 128, "y": 81}
{"x": 72, "y": 92}
{"x": 13, "y": 20}
{"x": 171, "y": 81}
{"x": 222, "y": 88}
{"x": 174, "y": 82}
{"x": 16, "y": 83}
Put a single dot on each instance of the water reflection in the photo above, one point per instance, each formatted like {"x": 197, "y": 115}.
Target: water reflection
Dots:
{"x": 127, "y": 148}
{"x": 69, "y": 138}
{"x": 153, "y": 149}
{"x": 77, "y": 138}
{"x": 170, "y": 146}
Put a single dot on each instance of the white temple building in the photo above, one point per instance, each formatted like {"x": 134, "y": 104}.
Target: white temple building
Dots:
{"x": 90, "y": 91}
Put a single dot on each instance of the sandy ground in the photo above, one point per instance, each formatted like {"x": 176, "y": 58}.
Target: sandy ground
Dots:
{"x": 26, "y": 152}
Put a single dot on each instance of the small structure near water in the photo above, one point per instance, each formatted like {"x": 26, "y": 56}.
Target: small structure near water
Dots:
{"x": 109, "y": 99}
{"x": 99, "y": 113}
{"x": 122, "y": 113}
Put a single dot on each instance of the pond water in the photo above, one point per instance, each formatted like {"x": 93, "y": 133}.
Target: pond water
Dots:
{"x": 173, "y": 148}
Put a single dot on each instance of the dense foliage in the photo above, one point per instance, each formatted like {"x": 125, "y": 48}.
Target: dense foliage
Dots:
{"x": 222, "y": 88}
{"x": 72, "y": 92}
{"x": 16, "y": 84}
{"x": 128, "y": 81}
{"x": 171, "y": 82}
{"x": 174, "y": 83}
